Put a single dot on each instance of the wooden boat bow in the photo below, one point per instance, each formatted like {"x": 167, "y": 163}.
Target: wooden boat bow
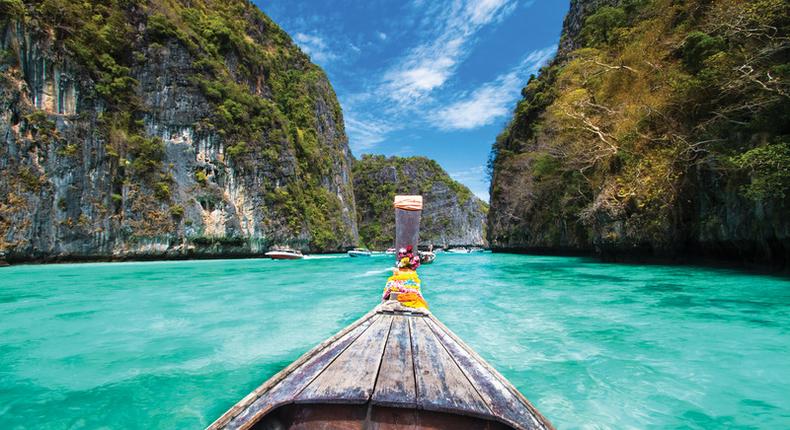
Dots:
{"x": 394, "y": 368}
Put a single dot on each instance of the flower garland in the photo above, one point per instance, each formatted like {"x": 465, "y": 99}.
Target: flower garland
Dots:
{"x": 404, "y": 280}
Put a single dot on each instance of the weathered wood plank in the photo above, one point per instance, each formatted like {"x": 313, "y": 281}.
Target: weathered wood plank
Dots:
{"x": 284, "y": 387}
{"x": 395, "y": 385}
{"x": 448, "y": 376}
{"x": 351, "y": 377}
{"x": 441, "y": 385}
{"x": 502, "y": 398}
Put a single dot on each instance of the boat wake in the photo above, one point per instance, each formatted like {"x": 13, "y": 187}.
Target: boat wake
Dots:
{"x": 373, "y": 272}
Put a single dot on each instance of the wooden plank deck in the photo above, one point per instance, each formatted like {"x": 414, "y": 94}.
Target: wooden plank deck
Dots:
{"x": 393, "y": 357}
{"x": 441, "y": 384}
{"x": 395, "y": 385}
{"x": 351, "y": 377}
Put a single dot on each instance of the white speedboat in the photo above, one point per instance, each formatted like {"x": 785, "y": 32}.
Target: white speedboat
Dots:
{"x": 284, "y": 254}
{"x": 359, "y": 252}
{"x": 459, "y": 250}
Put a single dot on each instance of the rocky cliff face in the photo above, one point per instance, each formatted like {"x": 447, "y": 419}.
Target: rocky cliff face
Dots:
{"x": 452, "y": 215}
{"x": 660, "y": 130}
{"x": 139, "y": 129}
{"x": 578, "y": 11}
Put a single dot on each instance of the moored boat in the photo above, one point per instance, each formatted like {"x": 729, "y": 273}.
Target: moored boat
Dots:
{"x": 284, "y": 254}
{"x": 359, "y": 252}
{"x": 459, "y": 250}
{"x": 427, "y": 257}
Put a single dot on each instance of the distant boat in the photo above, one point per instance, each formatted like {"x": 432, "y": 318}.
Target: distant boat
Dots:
{"x": 427, "y": 257}
{"x": 459, "y": 250}
{"x": 284, "y": 254}
{"x": 359, "y": 252}
{"x": 391, "y": 251}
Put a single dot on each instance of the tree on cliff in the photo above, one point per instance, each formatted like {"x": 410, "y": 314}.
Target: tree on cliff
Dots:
{"x": 666, "y": 120}
{"x": 135, "y": 126}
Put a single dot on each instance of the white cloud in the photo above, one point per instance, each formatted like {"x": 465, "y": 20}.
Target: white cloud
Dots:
{"x": 364, "y": 134}
{"x": 315, "y": 47}
{"x": 432, "y": 63}
{"x": 481, "y": 109}
{"x": 475, "y": 179}
{"x": 493, "y": 100}
{"x": 472, "y": 173}
{"x": 484, "y": 11}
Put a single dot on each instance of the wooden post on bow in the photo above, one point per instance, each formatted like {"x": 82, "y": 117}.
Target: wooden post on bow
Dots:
{"x": 407, "y": 221}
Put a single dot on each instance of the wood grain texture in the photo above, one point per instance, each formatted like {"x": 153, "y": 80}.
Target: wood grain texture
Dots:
{"x": 441, "y": 385}
{"x": 351, "y": 377}
{"x": 511, "y": 405}
{"x": 297, "y": 376}
{"x": 392, "y": 357}
{"x": 497, "y": 396}
{"x": 395, "y": 385}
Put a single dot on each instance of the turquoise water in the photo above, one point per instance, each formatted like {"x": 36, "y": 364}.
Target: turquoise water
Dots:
{"x": 174, "y": 344}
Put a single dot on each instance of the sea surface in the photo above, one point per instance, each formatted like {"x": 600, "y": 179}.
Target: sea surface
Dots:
{"x": 592, "y": 345}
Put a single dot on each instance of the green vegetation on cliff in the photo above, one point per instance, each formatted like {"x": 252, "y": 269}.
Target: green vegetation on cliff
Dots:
{"x": 452, "y": 215}
{"x": 236, "y": 81}
{"x": 666, "y": 130}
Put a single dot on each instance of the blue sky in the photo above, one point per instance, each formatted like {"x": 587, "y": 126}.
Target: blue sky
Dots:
{"x": 437, "y": 78}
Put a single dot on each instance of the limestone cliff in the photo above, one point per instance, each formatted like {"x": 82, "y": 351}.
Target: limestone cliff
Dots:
{"x": 662, "y": 129}
{"x": 164, "y": 129}
{"x": 452, "y": 215}
{"x": 578, "y": 12}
